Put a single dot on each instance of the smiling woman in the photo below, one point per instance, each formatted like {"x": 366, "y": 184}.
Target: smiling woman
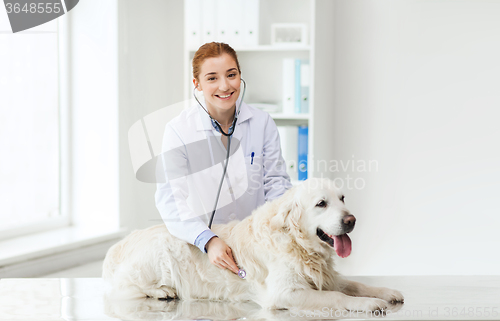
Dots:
{"x": 224, "y": 126}
{"x": 217, "y": 73}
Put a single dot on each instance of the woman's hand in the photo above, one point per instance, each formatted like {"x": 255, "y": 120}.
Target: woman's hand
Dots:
{"x": 220, "y": 254}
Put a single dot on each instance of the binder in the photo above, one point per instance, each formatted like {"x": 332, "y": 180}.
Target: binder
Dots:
{"x": 288, "y": 139}
{"x": 288, "y": 99}
{"x": 193, "y": 23}
{"x": 228, "y": 28}
{"x": 304, "y": 86}
{"x": 298, "y": 96}
{"x": 236, "y": 7}
{"x": 222, "y": 23}
{"x": 302, "y": 152}
{"x": 251, "y": 23}
{"x": 209, "y": 10}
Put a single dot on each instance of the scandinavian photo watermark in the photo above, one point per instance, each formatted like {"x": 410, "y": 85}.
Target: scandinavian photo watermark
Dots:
{"x": 450, "y": 312}
{"x": 152, "y": 156}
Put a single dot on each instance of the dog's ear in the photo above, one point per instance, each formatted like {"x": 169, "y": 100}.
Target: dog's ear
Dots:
{"x": 289, "y": 211}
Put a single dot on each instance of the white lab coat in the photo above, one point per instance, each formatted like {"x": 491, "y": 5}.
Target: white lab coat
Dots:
{"x": 193, "y": 158}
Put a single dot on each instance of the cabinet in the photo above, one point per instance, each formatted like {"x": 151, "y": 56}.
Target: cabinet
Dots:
{"x": 262, "y": 66}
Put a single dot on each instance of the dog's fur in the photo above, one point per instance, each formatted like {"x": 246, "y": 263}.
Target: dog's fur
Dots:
{"x": 287, "y": 265}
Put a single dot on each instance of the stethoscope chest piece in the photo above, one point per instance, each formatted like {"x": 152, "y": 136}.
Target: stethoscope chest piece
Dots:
{"x": 242, "y": 273}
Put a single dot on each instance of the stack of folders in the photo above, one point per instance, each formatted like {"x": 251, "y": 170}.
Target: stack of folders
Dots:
{"x": 294, "y": 150}
{"x": 296, "y": 79}
{"x": 235, "y": 22}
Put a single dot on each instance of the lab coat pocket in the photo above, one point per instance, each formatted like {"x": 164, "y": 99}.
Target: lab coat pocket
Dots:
{"x": 255, "y": 173}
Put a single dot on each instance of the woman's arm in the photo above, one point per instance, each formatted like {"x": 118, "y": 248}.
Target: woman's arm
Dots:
{"x": 171, "y": 201}
{"x": 172, "y": 190}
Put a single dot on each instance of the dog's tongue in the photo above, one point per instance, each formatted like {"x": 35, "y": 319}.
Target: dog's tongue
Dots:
{"x": 342, "y": 245}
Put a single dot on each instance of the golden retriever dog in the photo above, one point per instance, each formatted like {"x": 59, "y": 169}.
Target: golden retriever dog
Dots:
{"x": 287, "y": 248}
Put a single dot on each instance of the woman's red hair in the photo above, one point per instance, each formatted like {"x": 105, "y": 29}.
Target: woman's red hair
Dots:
{"x": 212, "y": 50}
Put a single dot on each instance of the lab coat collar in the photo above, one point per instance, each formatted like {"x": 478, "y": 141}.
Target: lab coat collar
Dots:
{"x": 203, "y": 122}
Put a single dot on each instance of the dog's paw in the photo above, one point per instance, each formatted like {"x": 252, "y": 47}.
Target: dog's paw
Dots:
{"x": 367, "y": 304}
{"x": 163, "y": 293}
{"x": 390, "y": 295}
{"x": 169, "y": 292}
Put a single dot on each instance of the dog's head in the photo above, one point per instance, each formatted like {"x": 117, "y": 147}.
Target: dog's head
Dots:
{"x": 315, "y": 209}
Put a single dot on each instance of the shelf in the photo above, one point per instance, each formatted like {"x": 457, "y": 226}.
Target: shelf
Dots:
{"x": 262, "y": 65}
{"x": 289, "y": 116}
{"x": 267, "y": 48}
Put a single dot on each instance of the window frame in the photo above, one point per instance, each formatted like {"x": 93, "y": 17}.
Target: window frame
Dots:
{"x": 63, "y": 219}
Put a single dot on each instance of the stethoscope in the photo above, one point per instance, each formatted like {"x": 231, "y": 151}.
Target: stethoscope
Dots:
{"x": 241, "y": 272}
{"x": 235, "y": 116}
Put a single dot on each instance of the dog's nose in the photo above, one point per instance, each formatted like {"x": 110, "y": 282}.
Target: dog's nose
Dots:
{"x": 348, "y": 223}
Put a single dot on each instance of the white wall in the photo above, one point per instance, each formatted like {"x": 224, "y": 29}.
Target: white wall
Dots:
{"x": 413, "y": 86}
{"x": 416, "y": 88}
{"x": 150, "y": 77}
{"x": 90, "y": 98}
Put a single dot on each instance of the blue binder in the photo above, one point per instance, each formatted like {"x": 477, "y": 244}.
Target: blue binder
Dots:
{"x": 302, "y": 151}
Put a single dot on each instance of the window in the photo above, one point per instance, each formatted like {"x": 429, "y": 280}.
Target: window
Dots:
{"x": 29, "y": 129}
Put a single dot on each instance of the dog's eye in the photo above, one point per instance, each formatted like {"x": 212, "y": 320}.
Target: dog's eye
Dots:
{"x": 321, "y": 203}
{"x": 342, "y": 198}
